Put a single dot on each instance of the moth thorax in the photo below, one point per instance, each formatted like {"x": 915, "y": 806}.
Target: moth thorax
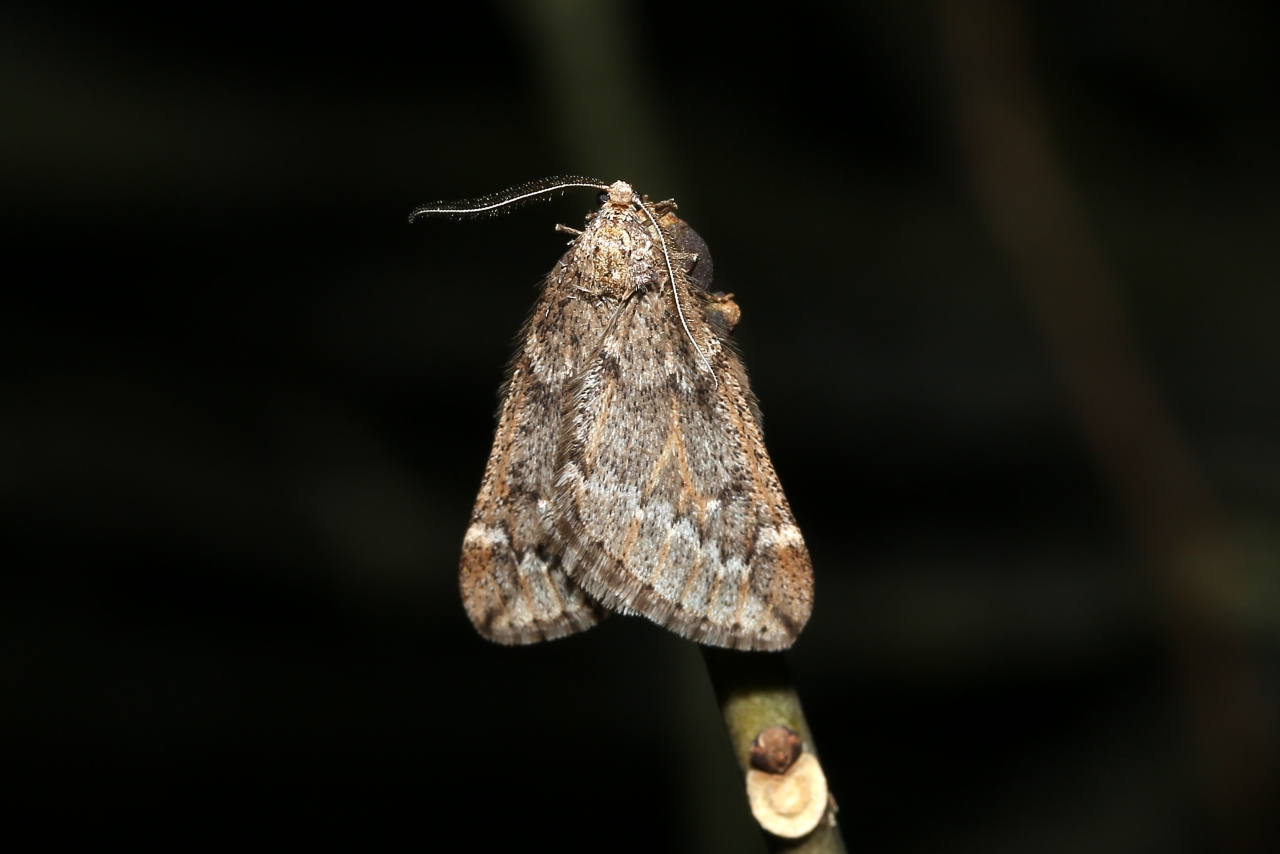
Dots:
{"x": 612, "y": 266}
{"x": 616, "y": 284}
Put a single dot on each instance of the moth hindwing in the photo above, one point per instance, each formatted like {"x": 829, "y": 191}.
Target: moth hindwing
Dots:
{"x": 629, "y": 472}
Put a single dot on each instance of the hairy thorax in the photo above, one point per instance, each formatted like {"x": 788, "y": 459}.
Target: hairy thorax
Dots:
{"x": 616, "y": 254}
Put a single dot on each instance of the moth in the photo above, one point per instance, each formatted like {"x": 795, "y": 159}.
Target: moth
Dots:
{"x": 628, "y": 471}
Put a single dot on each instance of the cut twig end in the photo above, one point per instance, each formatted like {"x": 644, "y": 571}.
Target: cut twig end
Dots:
{"x": 790, "y": 804}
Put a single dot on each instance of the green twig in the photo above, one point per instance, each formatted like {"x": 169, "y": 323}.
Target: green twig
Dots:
{"x": 755, "y": 691}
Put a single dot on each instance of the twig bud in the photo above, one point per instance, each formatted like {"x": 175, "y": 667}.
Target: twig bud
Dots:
{"x": 775, "y": 748}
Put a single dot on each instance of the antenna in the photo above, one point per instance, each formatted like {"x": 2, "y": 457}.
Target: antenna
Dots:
{"x": 675, "y": 292}
{"x": 494, "y": 203}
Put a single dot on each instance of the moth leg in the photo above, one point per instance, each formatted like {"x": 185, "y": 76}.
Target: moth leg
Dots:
{"x": 567, "y": 230}
{"x": 685, "y": 260}
{"x": 722, "y": 312}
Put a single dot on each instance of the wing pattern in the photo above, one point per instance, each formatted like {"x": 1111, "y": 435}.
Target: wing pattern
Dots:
{"x": 514, "y": 587}
{"x": 629, "y": 471}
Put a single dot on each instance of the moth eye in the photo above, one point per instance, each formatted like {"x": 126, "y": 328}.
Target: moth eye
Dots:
{"x": 602, "y": 197}
{"x": 699, "y": 267}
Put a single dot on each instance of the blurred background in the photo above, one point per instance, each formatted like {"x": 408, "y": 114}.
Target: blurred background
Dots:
{"x": 1008, "y": 278}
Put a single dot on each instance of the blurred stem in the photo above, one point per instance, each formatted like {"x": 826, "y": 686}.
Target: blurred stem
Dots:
{"x": 585, "y": 53}
{"x": 755, "y": 691}
{"x": 1040, "y": 225}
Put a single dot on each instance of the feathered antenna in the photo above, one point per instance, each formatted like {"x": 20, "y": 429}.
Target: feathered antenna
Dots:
{"x": 494, "y": 203}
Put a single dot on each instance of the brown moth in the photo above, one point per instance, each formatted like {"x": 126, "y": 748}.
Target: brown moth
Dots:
{"x": 629, "y": 471}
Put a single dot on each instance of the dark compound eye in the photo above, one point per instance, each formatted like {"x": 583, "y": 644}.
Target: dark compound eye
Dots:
{"x": 602, "y": 198}
{"x": 687, "y": 241}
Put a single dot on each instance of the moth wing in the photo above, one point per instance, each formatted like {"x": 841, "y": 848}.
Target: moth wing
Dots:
{"x": 666, "y": 500}
{"x": 514, "y": 586}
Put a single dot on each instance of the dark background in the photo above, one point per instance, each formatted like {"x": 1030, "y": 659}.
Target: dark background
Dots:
{"x": 244, "y": 410}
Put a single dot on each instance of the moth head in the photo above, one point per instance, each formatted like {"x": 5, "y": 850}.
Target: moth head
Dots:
{"x": 621, "y": 195}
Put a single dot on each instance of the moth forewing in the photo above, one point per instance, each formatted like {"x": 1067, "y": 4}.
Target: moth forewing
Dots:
{"x": 514, "y": 587}
{"x": 666, "y": 503}
{"x": 628, "y": 471}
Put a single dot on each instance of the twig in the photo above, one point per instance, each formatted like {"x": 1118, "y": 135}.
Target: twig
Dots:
{"x": 755, "y": 692}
